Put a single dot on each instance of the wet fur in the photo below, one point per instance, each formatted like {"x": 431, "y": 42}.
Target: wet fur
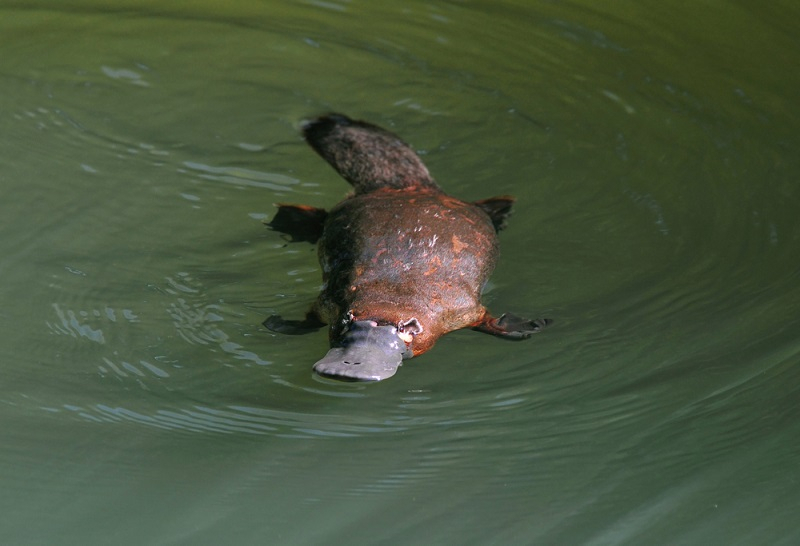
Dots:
{"x": 399, "y": 249}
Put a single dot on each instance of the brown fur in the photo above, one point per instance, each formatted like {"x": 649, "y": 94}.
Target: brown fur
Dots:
{"x": 399, "y": 251}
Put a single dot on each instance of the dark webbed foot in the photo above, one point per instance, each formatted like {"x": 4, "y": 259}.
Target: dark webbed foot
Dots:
{"x": 498, "y": 209}
{"x": 512, "y": 327}
{"x": 300, "y": 222}
{"x": 279, "y": 325}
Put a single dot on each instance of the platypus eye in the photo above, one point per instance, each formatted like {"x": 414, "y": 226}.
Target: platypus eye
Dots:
{"x": 411, "y": 326}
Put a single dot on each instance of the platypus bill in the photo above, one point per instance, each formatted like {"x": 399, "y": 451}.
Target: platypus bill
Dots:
{"x": 403, "y": 263}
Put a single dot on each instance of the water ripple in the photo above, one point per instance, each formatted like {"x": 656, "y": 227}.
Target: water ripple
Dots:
{"x": 236, "y": 419}
{"x": 243, "y": 177}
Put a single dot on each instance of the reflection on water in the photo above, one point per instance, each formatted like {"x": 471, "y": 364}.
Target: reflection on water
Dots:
{"x": 652, "y": 154}
{"x": 70, "y": 324}
{"x": 243, "y": 177}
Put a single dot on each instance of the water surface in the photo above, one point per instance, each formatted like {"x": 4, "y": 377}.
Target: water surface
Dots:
{"x": 652, "y": 151}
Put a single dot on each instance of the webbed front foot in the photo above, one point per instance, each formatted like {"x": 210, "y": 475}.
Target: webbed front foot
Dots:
{"x": 279, "y": 325}
{"x": 510, "y": 326}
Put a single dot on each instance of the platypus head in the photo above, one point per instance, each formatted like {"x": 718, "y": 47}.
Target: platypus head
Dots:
{"x": 365, "y": 352}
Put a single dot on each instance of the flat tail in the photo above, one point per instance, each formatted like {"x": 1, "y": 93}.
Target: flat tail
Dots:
{"x": 365, "y": 155}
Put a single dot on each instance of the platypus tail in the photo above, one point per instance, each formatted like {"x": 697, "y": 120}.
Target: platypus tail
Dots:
{"x": 365, "y": 155}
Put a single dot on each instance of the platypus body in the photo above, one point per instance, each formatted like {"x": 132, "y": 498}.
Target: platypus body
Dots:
{"x": 403, "y": 263}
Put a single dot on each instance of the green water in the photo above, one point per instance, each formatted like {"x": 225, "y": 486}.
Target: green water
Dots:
{"x": 653, "y": 153}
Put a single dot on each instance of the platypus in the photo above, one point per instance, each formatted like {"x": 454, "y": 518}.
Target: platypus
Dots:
{"x": 403, "y": 263}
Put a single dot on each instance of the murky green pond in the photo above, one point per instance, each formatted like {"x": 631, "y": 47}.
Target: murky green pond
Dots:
{"x": 653, "y": 150}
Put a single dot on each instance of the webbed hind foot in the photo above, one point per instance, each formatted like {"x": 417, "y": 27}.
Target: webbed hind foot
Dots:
{"x": 300, "y": 222}
{"x": 498, "y": 209}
